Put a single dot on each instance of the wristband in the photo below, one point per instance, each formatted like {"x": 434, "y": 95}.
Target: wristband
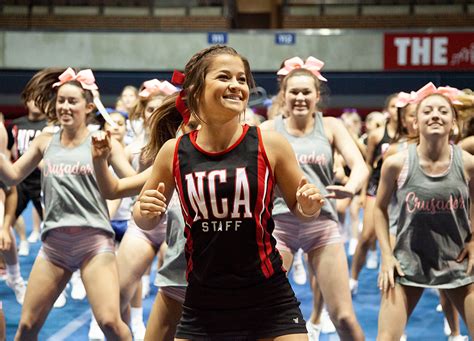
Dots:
{"x": 300, "y": 209}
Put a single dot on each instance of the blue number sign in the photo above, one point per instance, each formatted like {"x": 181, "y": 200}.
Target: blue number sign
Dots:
{"x": 285, "y": 38}
{"x": 217, "y": 37}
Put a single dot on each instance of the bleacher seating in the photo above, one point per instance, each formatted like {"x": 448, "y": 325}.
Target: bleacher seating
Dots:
{"x": 223, "y": 14}
{"x": 377, "y": 21}
{"x": 377, "y": 13}
{"x": 113, "y": 15}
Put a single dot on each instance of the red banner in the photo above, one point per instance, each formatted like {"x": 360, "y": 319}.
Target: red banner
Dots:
{"x": 430, "y": 51}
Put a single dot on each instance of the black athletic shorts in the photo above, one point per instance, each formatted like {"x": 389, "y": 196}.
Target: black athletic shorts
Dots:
{"x": 280, "y": 315}
{"x": 29, "y": 189}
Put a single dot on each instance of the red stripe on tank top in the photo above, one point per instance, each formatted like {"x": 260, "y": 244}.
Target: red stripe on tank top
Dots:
{"x": 261, "y": 213}
{"x": 266, "y": 214}
{"x": 184, "y": 208}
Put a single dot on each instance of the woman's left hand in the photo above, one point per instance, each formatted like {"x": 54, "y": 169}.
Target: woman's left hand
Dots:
{"x": 468, "y": 252}
{"x": 338, "y": 192}
{"x": 308, "y": 197}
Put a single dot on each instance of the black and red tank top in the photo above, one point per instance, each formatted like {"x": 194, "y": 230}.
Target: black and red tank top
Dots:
{"x": 226, "y": 199}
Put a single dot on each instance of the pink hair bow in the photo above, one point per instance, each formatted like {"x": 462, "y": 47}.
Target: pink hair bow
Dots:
{"x": 154, "y": 86}
{"x": 312, "y": 64}
{"x": 85, "y": 77}
{"x": 404, "y": 98}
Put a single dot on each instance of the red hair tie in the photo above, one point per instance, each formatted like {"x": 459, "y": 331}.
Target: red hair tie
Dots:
{"x": 182, "y": 107}
{"x": 177, "y": 78}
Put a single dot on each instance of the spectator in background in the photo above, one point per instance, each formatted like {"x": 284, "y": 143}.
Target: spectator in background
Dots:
{"x": 127, "y": 102}
{"x": 8, "y": 200}
{"x": 352, "y": 121}
{"x": 373, "y": 120}
{"x": 277, "y": 106}
{"x": 24, "y": 130}
{"x": 465, "y": 111}
{"x": 128, "y": 99}
{"x": 377, "y": 144}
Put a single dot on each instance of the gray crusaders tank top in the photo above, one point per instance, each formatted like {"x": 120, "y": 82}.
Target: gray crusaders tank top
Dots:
{"x": 315, "y": 157}
{"x": 433, "y": 225}
{"x": 173, "y": 270}
{"x": 71, "y": 195}
{"x": 393, "y": 209}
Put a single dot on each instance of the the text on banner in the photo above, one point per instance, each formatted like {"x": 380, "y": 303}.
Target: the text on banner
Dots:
{"x": 430, "y": 51}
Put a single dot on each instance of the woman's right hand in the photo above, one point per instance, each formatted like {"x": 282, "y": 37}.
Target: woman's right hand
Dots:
{"x": 5, "y": 240}
{"x": 153, "y": 202}
{"x": 101, "y": 145}
{"x": 386, "y": 280}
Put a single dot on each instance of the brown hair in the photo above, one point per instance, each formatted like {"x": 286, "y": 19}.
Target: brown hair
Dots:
{"x": 138, "y": 111}
{"x": 166, "y": 119}
{"x": 401, "y": 131}
{"x": 389, "y": 98}
{"x": 300, "y": 72}
{"x": 129, "y": 87}
{"x": 31, "y": 89}
{"x": 42, "y": 92}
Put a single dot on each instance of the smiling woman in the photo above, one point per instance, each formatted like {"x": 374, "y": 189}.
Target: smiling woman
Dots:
{"x": 225, "y": 175}
{"x": 227, "y": 90}
{"x": 314, "y": 139}
{"x": 76, "y": 232}
{"x": 433, "y": 182}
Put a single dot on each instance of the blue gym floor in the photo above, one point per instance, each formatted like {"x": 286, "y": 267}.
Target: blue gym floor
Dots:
{"x": 72, "y": 321}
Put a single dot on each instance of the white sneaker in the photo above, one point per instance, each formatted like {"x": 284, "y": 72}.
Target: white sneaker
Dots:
{"x": 19, "y": 288}
{"x": 404, "y": 337}
{"x": 458, "y": 338}
{"x": 446, "y": 327}
{"x": 95, "y": 333}
{"x": 353, "y": 286}
{"x": 33, "y": 237}
{"x": 299, "y": 272}
{"x": 352, "y": 246}
{"x": 23, "y": 248}
{"x": 313, "y": 331}
{"x": 61, "y": 300}
{"x": 327, "y": 326}
{"x": 145, "y": 286}
{"x": 372, "y": 260}
{"x": 138, "y": 331}
{"x": 78, "y": 292}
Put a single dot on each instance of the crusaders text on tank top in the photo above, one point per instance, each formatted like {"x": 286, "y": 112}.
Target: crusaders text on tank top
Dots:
{"x": 226, "y": 199}
{"x": 71, "y": 195}
{"x": 377, "y": 158}
{"x": 315, "y": 157}
{"x": 433, "y": 225}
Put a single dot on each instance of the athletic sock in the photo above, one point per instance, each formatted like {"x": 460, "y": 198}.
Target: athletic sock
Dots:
{"x": 13, "y": 272}
{"x": 136, "y": 315}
